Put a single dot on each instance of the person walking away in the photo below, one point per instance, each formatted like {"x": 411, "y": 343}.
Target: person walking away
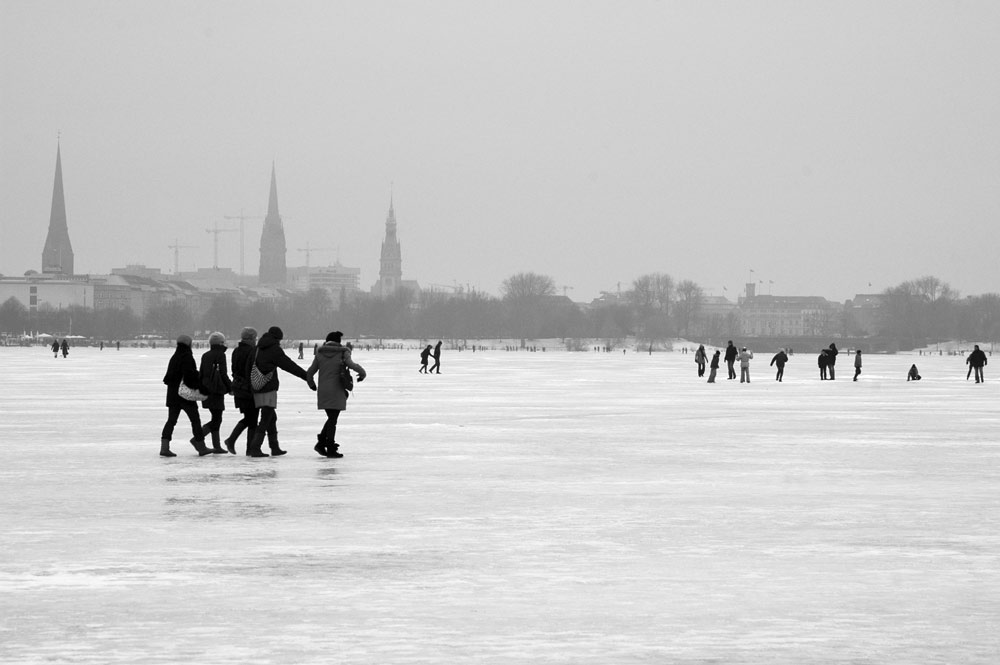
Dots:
{"x": 731, "y": 354}
{"x": 857, "y": 364}
{"x": 301, "y": 349}
{"x": 714, "y": 366}
{"x": 823, "y": 361}
{"x": 181, "y": 369}
{"x": 65, "y": 348}
{"x": 913, "y": 374}
{"x": 424, "y": 355}
{"x": 779, "y": 359}
{"x": 268, "y": 357}
{"x": 977, "y": 360}
{"x": 242, "y": 393}
{"x": 437, "y": 358}
{"x": 701, "y": 358}
{"x": 55, "y": 348}
{"x": 831, "y": 360}
{"x": 214, "y": 376}
{"x": 331, "y": 395}
{"x": 745, "y": 357}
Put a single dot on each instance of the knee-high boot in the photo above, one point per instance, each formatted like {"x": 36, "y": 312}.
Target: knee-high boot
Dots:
{"x": 255, "y": 442}
{"x": 217, "y": 444}
{"x": 165, "y": 448}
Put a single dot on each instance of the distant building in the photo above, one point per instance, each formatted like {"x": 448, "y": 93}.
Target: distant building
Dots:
{"x": 38, "y": 291}
{"x": 390, "y": 274}
{"x": 335, "y": 279}
{"x": 57, "y": 257}
{"x": 272, "y": 241}
{"x": 866, "y": 313}
{"x": 786, "y": 316}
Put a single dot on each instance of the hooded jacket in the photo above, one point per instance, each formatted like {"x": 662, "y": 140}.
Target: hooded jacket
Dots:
{"x": 216, "y": 355}
{"x": 270, "y": 356}
{"x": 330, "y": 394}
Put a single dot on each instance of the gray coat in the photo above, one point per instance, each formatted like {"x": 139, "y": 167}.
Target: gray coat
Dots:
{"x": 330, "y": 394}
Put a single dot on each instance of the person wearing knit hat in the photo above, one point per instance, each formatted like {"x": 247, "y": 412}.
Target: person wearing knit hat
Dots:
{"x": 242, "y": 392}
{"x": 181, "y": 369}
{"x": 330, "y": 361}
{"x": 215, "y": 383}
{"x": 267, "y": 359}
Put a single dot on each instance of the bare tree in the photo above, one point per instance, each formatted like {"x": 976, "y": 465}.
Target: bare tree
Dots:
{"x": 689, "y": 299}
{"x": 527, "y": 285}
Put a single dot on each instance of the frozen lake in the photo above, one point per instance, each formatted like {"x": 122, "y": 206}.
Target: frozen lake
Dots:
{"x": 518, "y": 508}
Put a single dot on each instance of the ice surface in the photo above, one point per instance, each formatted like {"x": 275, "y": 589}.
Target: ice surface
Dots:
{"x": 518, "y": 508}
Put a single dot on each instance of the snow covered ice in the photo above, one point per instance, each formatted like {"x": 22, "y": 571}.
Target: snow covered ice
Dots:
{"x": 519, "y": 508}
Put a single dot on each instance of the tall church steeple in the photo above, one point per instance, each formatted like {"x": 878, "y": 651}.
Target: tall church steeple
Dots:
{"x": 272, "y": 241}
{"x": 57, "y": 257}
{"x": 390, "y": 274}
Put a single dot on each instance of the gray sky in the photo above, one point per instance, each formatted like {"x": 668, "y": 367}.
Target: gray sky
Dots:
{"x": 825, "y": 145}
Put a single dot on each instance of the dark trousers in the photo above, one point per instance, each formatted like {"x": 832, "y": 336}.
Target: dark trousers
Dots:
{"x": 329, "y": 431}
{"x": 979, "y": 375}
{"x": 268, "y": 426}
{"x": 436, "y": 365}
{"x": 701, "y": 369}
{"x": 732, "y": 370}
{"x": 833, "y": 372}
{"x": 215, "y": 423}
{"x": 857, "y": 373}
{"x": 248, "y": 423}
{"x": 174, "y": 412}
{"x": 711, "y": 374}
{"x": 781, "y": 373}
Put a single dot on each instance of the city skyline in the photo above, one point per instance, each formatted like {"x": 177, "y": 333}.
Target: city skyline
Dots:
{"x": 825, "y": 148}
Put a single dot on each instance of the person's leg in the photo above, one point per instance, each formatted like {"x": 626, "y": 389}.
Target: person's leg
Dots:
{"x": 212, "y": 427}
{"x": 329, "y": 433}
{"x": 197, "y": 440}
{"x": 267, "y": 418}
{"x": 833, "y": 373}
{"x": 230, "y": 440}
{"x": 857, "y": 373}
{"x": 173, "y": 412}
{"x": 711, "y": 375}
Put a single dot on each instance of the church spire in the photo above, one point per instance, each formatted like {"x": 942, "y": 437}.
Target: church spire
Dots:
{"x": 57, "y": 256}
{"x": 273, "y": 269}
{"x": 272, "y": 201}
{"x": 391, "y": 262}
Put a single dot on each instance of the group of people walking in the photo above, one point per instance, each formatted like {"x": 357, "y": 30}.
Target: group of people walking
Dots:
{"x": 254, "y": 386}
{"x": 425, "y": 357}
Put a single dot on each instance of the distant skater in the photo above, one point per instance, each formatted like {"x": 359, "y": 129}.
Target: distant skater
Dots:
{"x": 331, "y": 394}
{"x": 731, "y": 354}
{"x": 857, "y": 364}
{"x": 301, "y": 350}
{"x": 831, "y": 360}
{"x": 977, "y": 360}
{"x": 242, "y": 393}
{"x": 713, "y": 367}
{"x": 424, "y": 357}
{"x": 913, "y": 374}
{"x": 214, "y": 376}
{"x": 779, "y": 359}
{"x": 701, "y": 358}
{"x": 181, "y": 369}
{"x": 268, "y": 357}
{"x": 55, "y": 348}
{"x": 745, "y": 357}
{"x": 437, "y": 358}
{"x": 823, "y": 361}
{"x": 65, "y": 348}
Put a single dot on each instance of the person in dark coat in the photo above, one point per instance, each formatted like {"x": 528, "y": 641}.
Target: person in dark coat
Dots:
{"x": 977, "y": 360}
{"x": 779, "y": 359}
{"x": 731, "y": 355}
{"x": 831, "y": 360}
{"x": 701, "y": 359}
{"x": 55, "y": 348}
{"x": 424, "y": 356}
{"x": 268, "y": 357}
{"x": 823, "y": 361}
{"x": 857, "y": 364}
{"x": 714, "y": 366}
{"x": 65, "y": 348}
{"x": 181, "y": 369}
{"x": 214, "y": 376}
{"x": 437, "y": 359}
{"x": 242, "y": 393}
{"x": 913, "y": 374}
{"x": 331, "y": 395}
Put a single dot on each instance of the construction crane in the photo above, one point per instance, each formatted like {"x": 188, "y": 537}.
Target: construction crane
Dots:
{"x": 177, "y": 249}
{"x": 309, "y": 250}
{"x": 216, "y": 231}
{"x": 242, "y": 219}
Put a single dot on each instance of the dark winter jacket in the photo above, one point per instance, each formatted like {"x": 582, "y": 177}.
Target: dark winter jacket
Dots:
{"x": 731, "y": 353}
{"x": 270, "y": 356}
{"x": 824, "y": 358}
{"x": 214, "y": 360}
{"x": 181, "y": 368}
{"x": 242, "y": 394}
{"x": 425, "y": 354}
{"x": 779, "y": 359}
{"x": 831, "y": 353}
{"x": 977, "y": 358}
{"x": 715, "y": 361}
{"x": 330, "y": 394}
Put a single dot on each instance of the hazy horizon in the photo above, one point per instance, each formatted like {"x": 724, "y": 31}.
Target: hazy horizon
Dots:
{"x": 825, "y": 146}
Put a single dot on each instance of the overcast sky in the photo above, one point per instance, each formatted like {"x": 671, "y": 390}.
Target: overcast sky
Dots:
{"x": 825, "y": 145}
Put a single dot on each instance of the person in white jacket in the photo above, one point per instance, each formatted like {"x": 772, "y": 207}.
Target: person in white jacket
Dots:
{"x": 745, "y": 357}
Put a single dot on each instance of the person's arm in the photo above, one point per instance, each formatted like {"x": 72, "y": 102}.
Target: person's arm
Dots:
{"x": 289, "y": 365}
{"x": 353, "y": 365}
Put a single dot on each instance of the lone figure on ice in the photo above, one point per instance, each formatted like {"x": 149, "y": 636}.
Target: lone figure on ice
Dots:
{"x": 857, "y": 364}
{"x": 779, "y": 359}
{"x": 977, "y": 360}
{"x": 701, "y": 358}
{"x": 913, "y": 374}
{"x": 745, "y": 357}
{"x": 331, "y": 394}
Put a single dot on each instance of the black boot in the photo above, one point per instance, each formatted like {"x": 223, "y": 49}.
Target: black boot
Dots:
{"x": 199, "y": 445}
{"x": 253, "y": 446}
{"x": 165, "y": 448}
{"x": 217, "y": 444}
{"x": 331, "y": 450}
{"x": 320, "y": 446}
{"x": 276, "y": 451}
{"x": 230, "y": 445}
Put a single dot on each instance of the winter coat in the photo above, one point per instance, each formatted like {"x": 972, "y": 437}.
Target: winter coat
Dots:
{"x": 831, "y": 353}
{"x": 242, "y": 394}
{"x": 857, "y": 360}
{"x": 700, "y": 356}
{"x": 977, "y": 358}
{"x": 270, "y": 356}
{"x": 824, "y": 359}
{"x": 437, "y": 351}
{"x": 731, "y": 353}
{"x": 779, "y": 359}
{"x": 424, "y": 355}
{"x": 215, "y": 356}
{"x": 745, "y": 357}
{"x": 330, "y": 394}
{"x": 715, "y": 361}
{"x": 181, "y": 368}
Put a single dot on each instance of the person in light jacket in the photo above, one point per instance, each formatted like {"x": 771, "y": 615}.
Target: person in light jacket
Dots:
{"x": 701, "y": 359}
{"x": 745, "y": 357}
{"x": 268, "y": 357}
{"x": 331, "y": 395}
{"x": 181, "y": 369}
